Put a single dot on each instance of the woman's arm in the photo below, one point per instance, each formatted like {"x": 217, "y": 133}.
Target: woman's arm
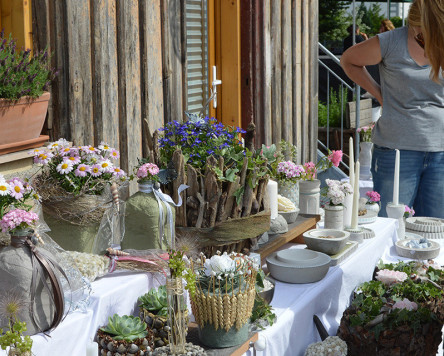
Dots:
{"x": 354, "y": 60}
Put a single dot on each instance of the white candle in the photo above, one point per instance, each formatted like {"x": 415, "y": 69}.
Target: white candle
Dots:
{"x": 352, "y": 162}
{"x": 92, "y": 349}
{"x": 396, "y": 180}
{"x": 272, "y": 189}
{"x": 354, "y": 221}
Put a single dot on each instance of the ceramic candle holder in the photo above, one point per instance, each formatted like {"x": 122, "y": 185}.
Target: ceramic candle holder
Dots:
{"x": 357, "y": 234}
{"x": 396, "y": 211}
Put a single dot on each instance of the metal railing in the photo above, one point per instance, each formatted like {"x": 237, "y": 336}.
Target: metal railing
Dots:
{"x": 342, "y": 100}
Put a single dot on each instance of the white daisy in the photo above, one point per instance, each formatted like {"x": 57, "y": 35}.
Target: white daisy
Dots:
{"x": 65, "y": 167}
{"x": 4, "y": 188}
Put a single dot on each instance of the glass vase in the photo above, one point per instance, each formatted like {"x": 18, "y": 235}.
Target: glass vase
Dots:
{"x": 177, "y": 316}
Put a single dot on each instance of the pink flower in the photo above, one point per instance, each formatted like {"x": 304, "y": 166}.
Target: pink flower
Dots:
{"x": 373, "y": 196}
{"x": 72, "y": 159}
{"x": 335, "y": 157}
{"x": 389, "y": 277}
{"x": 18, "y": 218}
{"x": 408, "y": 212}
{"x": 82, "y": 170}
{"x": 43, "y": 157}
{"x": 16, "y": 189}
{"x": 118, "y": 173}
{"x": 405, "y": 304}
{"x": 147, "y": 170}
{"x": 114, "y": 154}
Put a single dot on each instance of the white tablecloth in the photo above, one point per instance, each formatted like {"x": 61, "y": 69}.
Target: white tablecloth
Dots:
{"x": 295, "y": 304}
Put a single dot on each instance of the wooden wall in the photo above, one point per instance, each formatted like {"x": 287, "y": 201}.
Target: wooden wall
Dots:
{"x": 284, "y": 74}
{"x": 121, "y": 62}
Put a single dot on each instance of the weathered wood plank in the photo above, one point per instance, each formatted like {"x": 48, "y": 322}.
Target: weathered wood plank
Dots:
{"x": 105, "y": 73}
{"x": 129, "y": 83}
{"x": 151, "y": 57}
{"x": 365, "y": 115}
{"x": 60, "y": 126}
{"x": 287, "y": 85}
{"x": 78, "y": 32}
{"x": 267, "y": 77}
{"x": 276, "y": 70}
{"x": 297, "y": 74}
{"x": 305, "y": 59}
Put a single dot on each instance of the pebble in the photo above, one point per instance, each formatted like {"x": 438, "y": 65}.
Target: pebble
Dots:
{"x": 145, "y": 342}
{"x": 133, "y": 348}
{"x": 149, "y": 320}
{"x": 190, "y": 350}
{"x": 121, "y": 349}
{"x": 110, "y": 346}
{"x": 158, "y": 324}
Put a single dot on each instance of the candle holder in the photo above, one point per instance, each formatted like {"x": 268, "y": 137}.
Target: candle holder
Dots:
{"x": 396, "y": 211}
{"x": 360, "y": 234}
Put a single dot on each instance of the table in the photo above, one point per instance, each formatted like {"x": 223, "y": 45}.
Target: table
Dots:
{"x": 295, "y": 304}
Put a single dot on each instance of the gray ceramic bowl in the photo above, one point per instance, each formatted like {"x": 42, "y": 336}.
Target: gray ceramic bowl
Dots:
{"x": 417, "y": 253}
{"x": 267, "y": 295}
{"x": 298, "y": 265}
{"x": 330, "y": 246}
{"x": 290, "y": 216}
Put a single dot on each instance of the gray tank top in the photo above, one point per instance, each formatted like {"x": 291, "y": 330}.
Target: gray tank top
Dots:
{"x": 413, "y": 113}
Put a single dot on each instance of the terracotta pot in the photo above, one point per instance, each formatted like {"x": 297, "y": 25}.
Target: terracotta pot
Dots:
{"x": 23, "y": 119}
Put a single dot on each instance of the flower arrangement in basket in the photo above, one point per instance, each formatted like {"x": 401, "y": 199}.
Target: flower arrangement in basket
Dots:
{"x": 76, "y": 186}
{"x": 227, "y": 181}
{"x": 401, "y": 312}
{"x": 224, "y": 298}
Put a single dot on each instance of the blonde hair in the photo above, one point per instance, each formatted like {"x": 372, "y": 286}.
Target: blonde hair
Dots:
{"x": 432, "y": 26}
{"x": 414, "y": 17}
{"x": 387, "y": 24}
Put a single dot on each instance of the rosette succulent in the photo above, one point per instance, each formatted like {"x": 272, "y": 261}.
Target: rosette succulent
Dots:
{"x": 127, "y": 328}
{"x": 155, "y": 301}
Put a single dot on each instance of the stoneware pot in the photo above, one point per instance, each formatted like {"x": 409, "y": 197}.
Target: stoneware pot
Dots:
{"x": 309, "y": 195}
{"x": 373, "y": 207}
{"x": 334, "y": 217}
{"x": 22, "y": 120}
{"x": 365, "y": 159}
{"x": 290, "y": 191}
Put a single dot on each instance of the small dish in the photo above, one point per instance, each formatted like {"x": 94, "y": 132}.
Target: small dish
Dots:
{"x": 368, "y": 218}
{"x": 316, "y": 240}
{"x": 268, "y": 294}
{"x": 298, "y": 265}
{"x": 417, "y": 253}
{"x": 290, "y": 216}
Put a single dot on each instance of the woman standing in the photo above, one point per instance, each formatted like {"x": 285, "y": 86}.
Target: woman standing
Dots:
{"x": 411, "y": 63}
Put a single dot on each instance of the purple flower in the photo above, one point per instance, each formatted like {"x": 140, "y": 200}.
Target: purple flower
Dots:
{"x": 82, "y": 170}
{"x": 96, "y": 170}
{"x": 18, "y": 219}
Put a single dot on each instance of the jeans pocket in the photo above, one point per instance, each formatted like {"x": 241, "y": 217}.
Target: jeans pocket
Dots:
{"x": 381, "y": 148}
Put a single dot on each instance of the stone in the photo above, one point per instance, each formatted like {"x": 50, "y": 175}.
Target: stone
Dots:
{"x": 133, "y": 348}
{"x": 167, "y": 328}
{"x": 145, "y": 342}
{"x": 159, "y": 343}
{"x": 110, "y": 346}
{"x": 121, "y": 349}
{"x": 158, "y": 324}
{"x": 163, "y": 334}
{"x": 149, "y": 320}
{"x": 278, "y": 225}
{"x": 103, "y": 344}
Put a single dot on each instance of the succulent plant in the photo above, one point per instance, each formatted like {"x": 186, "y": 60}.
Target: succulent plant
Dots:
{"x": 128, "y": 328}
{"x": 155, "y": 301}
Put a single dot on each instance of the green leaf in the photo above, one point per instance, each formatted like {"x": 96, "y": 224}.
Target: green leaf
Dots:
{"x": 238, "y": 194}
{"x": 230, "y": 174}
{"x": 125, "y": 327}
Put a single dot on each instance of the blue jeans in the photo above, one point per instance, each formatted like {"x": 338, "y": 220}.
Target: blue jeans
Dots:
{"x": 421, "y": 180}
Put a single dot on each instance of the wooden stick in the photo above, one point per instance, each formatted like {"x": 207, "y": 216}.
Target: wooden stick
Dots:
{"x": 249, "y": 136}
{"x": 231, "y": 188}
{"x": 221, "y": 208}
{"x": 179, "y": 164}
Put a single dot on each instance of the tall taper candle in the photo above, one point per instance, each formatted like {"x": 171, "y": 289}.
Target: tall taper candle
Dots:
{"x": 396, "y": 180}
{"x": 352, "y": 162}
{"x": 354, "y": 222}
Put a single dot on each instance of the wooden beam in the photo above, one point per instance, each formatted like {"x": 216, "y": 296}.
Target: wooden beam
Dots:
{"x": 305, "y": 95}
{"x": 276, "y": 70}
{"x": 297, "y": 74}
{"x": 313, "y": 81}
{"x": 286, "y": 75}
{"x": 247, "y": 75}
{"x": 267, "y": 78}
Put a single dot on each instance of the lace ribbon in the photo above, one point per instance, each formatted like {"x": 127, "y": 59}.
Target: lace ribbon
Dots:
{"x": 161, "y": 197}
{"x": 43, "y": 268}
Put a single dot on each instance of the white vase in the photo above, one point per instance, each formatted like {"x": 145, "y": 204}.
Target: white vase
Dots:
{"x": 365, "y": 160}
{"x": 334, "y": 218}
{"x": 309, "y": 195}
{"x": 348, "y": 209}
{"x": 290, "y": 191}
{"x": 373, "y": 207}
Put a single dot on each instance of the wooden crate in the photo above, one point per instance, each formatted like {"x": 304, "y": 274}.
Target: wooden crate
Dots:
{"x": 365, "y": 117}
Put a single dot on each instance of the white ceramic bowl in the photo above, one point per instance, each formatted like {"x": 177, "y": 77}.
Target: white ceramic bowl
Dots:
{"x": 290, "y": 216}
{"x": 298, "y": 265}
{"x": 330, "y": 246}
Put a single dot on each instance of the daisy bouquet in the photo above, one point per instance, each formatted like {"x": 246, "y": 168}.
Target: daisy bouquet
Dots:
{"x": 80, "y": 169}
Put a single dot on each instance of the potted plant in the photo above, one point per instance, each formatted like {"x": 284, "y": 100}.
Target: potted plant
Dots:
{"x": 398, "y": 313}
{"x": 373, "y": 199}
{"x": 309, "y": 186}
{"x": 125, "y": 335}
{"x": 24, "y": 95}
{"x": 76, "y": 186}
{"x": 224, "y": 298}
{"x": 336, "y": 193}
{"x": 365, "y": 155}
{"x": 154, "y": 311}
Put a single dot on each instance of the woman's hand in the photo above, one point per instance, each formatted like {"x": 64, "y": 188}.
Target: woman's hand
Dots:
{"x": 354, "y": 60}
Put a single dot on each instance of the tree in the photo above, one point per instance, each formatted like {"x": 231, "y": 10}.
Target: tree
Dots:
{"x": 372, "y": 18}
{"x": 332, "y": 26}
{"x": 397, "y": 21}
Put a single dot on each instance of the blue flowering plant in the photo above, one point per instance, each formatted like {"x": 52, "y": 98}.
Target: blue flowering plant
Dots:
{"x": 200, "y": 139}
{"x": 21, "y": 73}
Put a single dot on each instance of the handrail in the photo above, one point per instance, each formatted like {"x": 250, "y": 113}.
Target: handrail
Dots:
{"x": 328, "y": 53}
{"x": 337, "y": 76}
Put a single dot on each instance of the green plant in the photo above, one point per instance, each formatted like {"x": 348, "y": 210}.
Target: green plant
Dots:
{"x": 397, "y": 21}
{"x": 334, "y": 112}
{"x": 262, "y": 310}
{"x": 177, "y": 264}
{"x": 155, "y": 301}
{"x": 127, "y": 328}
{"x": 22, "y": 74}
